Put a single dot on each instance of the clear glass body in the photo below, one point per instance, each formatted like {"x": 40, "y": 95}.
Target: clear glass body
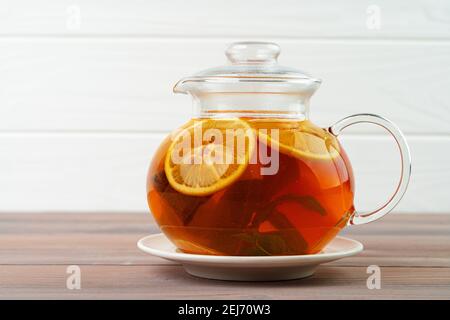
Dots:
{"x": 250, "y": 174}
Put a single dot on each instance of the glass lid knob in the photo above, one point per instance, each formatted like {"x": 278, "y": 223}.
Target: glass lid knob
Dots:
{"x": 253, "y": 52}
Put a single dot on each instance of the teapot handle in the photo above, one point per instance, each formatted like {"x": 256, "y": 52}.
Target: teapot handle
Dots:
{"x": 361, "y": 218}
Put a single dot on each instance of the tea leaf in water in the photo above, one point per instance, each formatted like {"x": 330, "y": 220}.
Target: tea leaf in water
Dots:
{"x": 160, "y": 181}
{"x": 288, "y": 173}
{"x": 240, "y": 201}
{"x": 290, "y": 233}
{"x": 272, "y": 244}
{"x": 183, "y": 204}
{"x": 286, "y": 240}
{"x": 261, "y": 244}
{"x": 312, "y": 204}
{"x": 308, "y": 202}
{"x": 267, "y": 243}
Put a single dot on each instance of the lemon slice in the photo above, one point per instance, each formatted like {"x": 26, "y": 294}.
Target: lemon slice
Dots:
{"x": 209, "y": 155}
{"x": 300, "y": 139}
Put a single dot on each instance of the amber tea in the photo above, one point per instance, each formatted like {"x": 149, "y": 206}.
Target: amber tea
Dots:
{"x": 251, "y": 175}
{"x": 234, "y": 207}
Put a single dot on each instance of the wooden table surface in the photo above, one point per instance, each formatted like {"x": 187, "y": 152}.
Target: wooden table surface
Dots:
{"x": 413, "y": 252}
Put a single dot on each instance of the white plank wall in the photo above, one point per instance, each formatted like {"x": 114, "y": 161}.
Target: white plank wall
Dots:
{"x": 86, "y": 90}
{"x": 225, "y": 19}
{"x": 105, "y": 84}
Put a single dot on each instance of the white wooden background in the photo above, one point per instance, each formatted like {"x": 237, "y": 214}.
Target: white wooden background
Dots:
{"x": 86, "y": 90}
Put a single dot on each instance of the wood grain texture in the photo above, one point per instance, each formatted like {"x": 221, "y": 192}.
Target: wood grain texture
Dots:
{"x": 110, "y": 239}
{"x": 125, "y": 85}
{"x": 233, "y": 18}
{"x": 413, "y": 252}
{"x": 171, "y": 282}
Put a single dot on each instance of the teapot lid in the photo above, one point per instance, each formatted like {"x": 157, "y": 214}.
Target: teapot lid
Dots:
{"x": 253, "y": 68}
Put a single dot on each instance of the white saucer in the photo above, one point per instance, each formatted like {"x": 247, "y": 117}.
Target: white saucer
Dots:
{"x": 249, "y": 268}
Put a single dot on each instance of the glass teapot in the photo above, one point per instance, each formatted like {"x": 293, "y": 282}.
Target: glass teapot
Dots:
{"x": 250, "y": 174}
